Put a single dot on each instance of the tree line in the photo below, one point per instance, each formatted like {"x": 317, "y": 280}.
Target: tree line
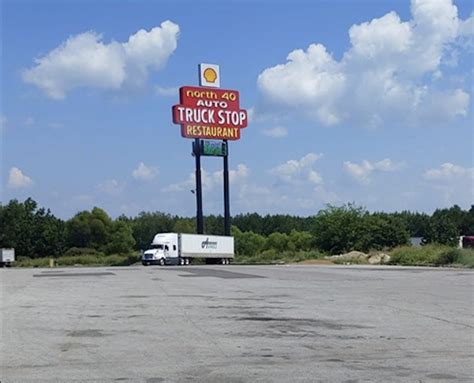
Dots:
{"x": 35, "y": 232}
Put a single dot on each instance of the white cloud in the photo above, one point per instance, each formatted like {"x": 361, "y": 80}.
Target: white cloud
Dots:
{"x": 85, "y": 60}
{"x": 166, "y": 91}
{"x": 453, "y": 183}
{"x": 382, "y": 77}
{"x": 235, "y": 176}
{"x": 299, "y": 171}
{"x": 362, "y": 172}
{"x": 29, "y": 121}
{"x": 449, "y": 171}
{"x": 111, "y": 187}
{"x": 276, "y": 132}
{"x": 209, "y": 180}
{"x": 144, "y": 173}
{"x": 18, "y": 180}
{"x": 56, "y": 125}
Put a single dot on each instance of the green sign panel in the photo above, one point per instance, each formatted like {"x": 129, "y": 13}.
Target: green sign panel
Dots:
{"x": 213, "y": 148}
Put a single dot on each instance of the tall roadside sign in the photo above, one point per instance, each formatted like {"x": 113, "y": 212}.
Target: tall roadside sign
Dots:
{"x": 207, "y": 112}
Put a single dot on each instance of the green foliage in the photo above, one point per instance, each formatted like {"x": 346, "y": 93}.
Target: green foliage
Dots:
{"x": 341, "y": 229}
{"x": 89, "y": 229}
{"x": 92, "y": 236}
{"x": 146, "y": 225}
{"x": 80, "y": 251}
{"x": 31, "y": 231}
{"x": 272, "y": 256}
{"x": 301, "y": 240}
{"x": 415, "y": 256}
{"x": 442, "y": 229}
{"x": 247, "y": 243}
{"x": 278, "y": 242}
{"x": 121, "y": 239}
{"x": 184, "y": 225}
{"x": 266, "y": 225}
{"x": 464, "y": 257}
{"x": 96, "y": 230}
{"x": 214, "y": 225}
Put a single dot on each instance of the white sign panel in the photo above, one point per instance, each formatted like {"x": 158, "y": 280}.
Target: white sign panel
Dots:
{"x": 209, "y": 75}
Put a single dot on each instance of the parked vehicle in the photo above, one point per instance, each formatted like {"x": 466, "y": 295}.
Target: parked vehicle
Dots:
{"x": 7, "y": 257}
{"x": 181, "y": 249}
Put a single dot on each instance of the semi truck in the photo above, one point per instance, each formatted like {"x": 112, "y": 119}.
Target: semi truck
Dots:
{"x": 182, "y": 249}
{"x": 7, "y": 257}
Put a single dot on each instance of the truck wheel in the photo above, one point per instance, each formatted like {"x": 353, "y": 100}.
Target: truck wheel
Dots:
{"x": 187, "y": 261}
{"x": 223, "y": 261}
{"x": 182, "y": 262}
{"x": 162, "y": 262}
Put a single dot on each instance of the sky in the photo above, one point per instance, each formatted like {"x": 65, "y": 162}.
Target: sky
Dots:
{"x": 367, "y": 102}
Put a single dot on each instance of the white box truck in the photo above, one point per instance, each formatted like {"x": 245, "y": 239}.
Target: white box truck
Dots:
{"x": 7, "y": 257}
{"x": 181, "y": 249}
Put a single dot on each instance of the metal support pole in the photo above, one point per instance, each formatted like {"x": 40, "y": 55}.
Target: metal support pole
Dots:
{"x": 199, "y": 217}
{"x": 226, "y": 191}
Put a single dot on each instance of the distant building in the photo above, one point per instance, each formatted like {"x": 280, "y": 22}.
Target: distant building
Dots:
{"x": 466, "y": 242}
{"x": 416, "y": 241}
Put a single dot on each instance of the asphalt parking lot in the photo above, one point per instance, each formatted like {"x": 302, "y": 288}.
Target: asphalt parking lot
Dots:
{"x": 237, "y": 324}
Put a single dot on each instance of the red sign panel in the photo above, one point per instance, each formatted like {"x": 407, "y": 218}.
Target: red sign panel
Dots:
{"x": 209, "y": 113}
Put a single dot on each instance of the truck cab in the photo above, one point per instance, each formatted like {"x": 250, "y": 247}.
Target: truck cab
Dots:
{"x": 163, "y": 250}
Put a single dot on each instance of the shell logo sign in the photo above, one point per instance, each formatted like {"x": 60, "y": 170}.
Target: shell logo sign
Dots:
{"x": 209, "y": 75}
{"x": 208, "y": 112}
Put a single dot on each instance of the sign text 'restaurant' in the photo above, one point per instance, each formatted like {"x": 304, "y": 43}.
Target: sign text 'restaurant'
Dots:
{"x": 209, "y": 113}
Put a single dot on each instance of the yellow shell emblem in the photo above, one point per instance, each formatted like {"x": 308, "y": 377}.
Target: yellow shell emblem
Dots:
{"x": 210, "y": 75}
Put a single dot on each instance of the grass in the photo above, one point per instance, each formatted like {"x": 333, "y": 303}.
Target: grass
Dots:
{"x": 432, "y": 255}
{"x": 273, "y": 257}
{"x": 82, "y": 260}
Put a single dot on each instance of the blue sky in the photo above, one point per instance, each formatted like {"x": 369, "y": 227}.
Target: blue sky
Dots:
{"x": 368, "y": 103}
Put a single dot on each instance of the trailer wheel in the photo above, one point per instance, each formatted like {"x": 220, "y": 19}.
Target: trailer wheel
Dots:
{"x": 187, "y": 261}
{"x": 182, "y": 262}
{"x": 162, "y": 262}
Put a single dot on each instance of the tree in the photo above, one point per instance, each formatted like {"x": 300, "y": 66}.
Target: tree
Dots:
{"x": 338, "y": 229}
{"x": 32, "y": 232}
{"x": 467, "y": 225}
{"x": 89, "y": 229}
{"x": 442, "y": 228}
{"x": 278, "y": 242}
{"x": 120, "y": 238}
{"x": 302, "y": 240}
{"x": 247, "y": 243}
{"x": 146, "y": 225}
{"x": 185, "y": 225}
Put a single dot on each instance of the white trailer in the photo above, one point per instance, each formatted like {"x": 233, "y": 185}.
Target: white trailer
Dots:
{"x": 181, "y": 249}
{"x": 7, "y": 257}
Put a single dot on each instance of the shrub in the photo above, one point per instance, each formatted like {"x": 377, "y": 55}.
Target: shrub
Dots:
{"x": 412, "y": 256}
{"x": 81, "y": 251}
{"x": 465, "y": 257}
{"x": 432, "y": 255}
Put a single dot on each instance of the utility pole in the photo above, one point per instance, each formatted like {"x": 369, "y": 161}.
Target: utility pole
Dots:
{"x": 226, "y": 190}
{"x": 199, "y": 217}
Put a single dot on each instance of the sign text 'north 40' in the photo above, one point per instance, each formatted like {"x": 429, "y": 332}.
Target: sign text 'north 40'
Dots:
{"x": 209, "y": 113}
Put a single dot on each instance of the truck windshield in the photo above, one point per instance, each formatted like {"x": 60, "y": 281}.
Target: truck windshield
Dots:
{"x": 160, "y": 247}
